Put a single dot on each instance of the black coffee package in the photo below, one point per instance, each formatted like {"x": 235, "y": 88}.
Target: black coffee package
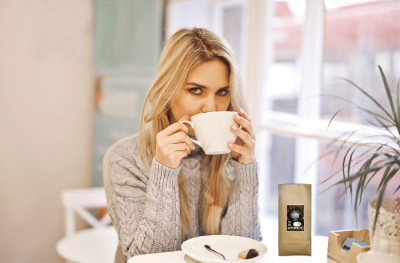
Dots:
{"x": 294, "y": 219}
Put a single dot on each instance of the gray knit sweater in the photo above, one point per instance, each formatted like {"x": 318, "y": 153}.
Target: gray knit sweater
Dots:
{"x": 144, "y": 205}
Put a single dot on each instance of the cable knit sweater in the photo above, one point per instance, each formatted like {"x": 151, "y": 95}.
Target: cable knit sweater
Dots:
{"x": 144, "y": 205}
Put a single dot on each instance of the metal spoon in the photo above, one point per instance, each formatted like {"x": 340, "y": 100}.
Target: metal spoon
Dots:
{"x": 209, "y": 248}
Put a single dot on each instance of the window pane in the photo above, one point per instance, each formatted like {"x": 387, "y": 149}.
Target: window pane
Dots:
{"x": 283, "y": 78}
{"x": 281, "y": 163}
{"x": 358, "y": 38}
{"x": 233, "y": 30}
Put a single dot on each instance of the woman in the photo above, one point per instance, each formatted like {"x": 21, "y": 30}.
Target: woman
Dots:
{"x": 161, "y": 188}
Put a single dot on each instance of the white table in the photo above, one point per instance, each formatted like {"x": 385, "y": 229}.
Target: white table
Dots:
{"x": 319, "y": 254}
{"x": 89, "y": 245}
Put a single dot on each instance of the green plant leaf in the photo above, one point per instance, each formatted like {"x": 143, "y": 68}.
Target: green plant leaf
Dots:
{"x": 362, "y": 183}
{"x": 371, "y": 177}
{"x": 370, "y": 97}
{"x": 389, "y": 95}
{"x": 356, "y": 163}
{"x": 398, "y": 100}
{"x": 386, "y": 127}
{"x": 396, "y": 189}
{"x": 361, "y": 173}
{"x": 382, "y": 154}
{"x": 384, "y": 177}
{"x": 394, "y": 171}
{"x": 359, "y": 107}
{"x": 378, "y": 206}
{"x": 349, "y": 170}
{"x": 381, "y": 195}
{"x": 376, "y": 164}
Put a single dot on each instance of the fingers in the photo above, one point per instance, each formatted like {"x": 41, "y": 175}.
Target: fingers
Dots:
{"x": 173, "y": 144}
{"x": 180, "y": 137}
{"x": 244, "y": 115}
{"x": 246, "y": 137}
{"x": 244, "y": 120}
{"x": 244, "y": 151}
{"x": 173, "y": 128}
{"x": 241, "y": 149}
{"x": 182, "y": 146}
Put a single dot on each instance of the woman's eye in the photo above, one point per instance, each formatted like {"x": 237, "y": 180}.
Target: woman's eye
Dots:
{"x": 223, "y": 92}
{"x": 196, "y": 91}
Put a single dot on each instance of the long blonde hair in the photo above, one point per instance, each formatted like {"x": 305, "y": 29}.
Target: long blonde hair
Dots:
{"x": 185, "y": 50}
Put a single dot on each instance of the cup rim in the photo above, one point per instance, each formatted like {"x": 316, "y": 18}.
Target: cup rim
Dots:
{"x": 214, "y": 112}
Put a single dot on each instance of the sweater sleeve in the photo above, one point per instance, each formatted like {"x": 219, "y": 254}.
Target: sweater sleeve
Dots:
{"x": 143, "y": 206}
{"x": 241, "y": 218}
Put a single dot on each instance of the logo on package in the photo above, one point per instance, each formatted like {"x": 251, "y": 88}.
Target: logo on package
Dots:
{"x": 295, "y": 219}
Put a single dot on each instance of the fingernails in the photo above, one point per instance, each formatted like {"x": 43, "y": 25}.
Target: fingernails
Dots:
{"x": 238, "y": 117}
{"x": 241, "y": 111}
{"x": 234, "y": 128}
{"x": 230, "y": 145}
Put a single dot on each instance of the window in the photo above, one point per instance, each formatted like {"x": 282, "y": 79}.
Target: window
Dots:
{"x": 292, "y": 51}
{"x": 357, "y": 39}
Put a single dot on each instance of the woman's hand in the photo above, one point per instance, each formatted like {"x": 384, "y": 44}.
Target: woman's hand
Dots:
{"x": 173, "y": 144}
{"x": 243, "y": 150}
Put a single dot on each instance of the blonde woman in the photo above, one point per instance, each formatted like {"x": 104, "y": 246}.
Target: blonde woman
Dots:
{"x": 161, "y": 188}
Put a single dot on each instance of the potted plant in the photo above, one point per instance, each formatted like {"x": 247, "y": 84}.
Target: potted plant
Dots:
{"x": 374, "y": 156}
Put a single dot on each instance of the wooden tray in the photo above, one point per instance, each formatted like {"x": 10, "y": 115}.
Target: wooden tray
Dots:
{"x": 336, "y": 238}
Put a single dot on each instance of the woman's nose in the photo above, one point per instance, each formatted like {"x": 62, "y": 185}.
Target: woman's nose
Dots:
{"x": 210, "y": 104}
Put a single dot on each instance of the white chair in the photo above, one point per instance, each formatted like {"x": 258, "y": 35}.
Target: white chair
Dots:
{"x": 96, "y": 244}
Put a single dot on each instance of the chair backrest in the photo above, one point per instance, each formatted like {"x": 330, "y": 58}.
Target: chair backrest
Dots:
{"x": 78, "y": 201}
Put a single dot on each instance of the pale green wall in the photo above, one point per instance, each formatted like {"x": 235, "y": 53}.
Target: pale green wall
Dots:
{"x": 128, "y": 39}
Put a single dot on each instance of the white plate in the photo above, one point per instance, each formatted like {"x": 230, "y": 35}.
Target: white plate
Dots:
{"x": 229, "y": 246}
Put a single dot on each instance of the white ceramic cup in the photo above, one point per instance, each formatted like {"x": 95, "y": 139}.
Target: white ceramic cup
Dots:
{"x": 213, "y": 131}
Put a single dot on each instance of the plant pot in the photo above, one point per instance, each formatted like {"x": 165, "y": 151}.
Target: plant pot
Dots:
{"x": 385, "y": 241}
{"x": 386, "y": 238}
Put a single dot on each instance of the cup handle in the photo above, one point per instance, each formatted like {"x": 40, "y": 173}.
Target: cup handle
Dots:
{"x": 191, "y": 124}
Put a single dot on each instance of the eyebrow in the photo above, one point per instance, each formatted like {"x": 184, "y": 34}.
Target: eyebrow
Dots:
{"x": 202, "y": 86}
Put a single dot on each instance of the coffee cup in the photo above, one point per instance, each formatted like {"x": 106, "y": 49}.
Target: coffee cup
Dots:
{"x": 213, "y": 131}
{"x": 372, "y": 256}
